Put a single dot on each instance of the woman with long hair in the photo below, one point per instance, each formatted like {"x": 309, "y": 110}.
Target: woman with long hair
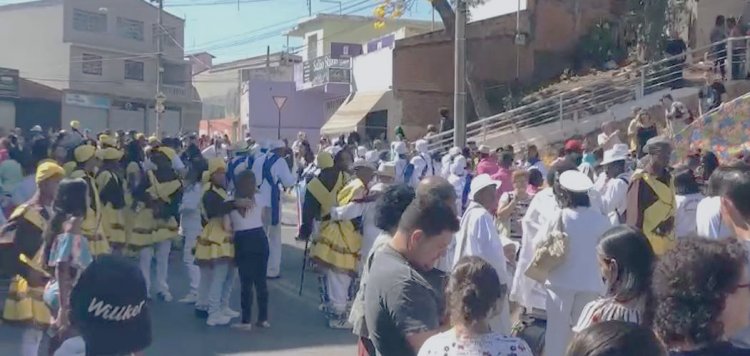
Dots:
{"x": 65, "y": 252}
{"x": 616, "y": 338}
{"x": 625, "y": 263}
{"x": 474, "y": 296}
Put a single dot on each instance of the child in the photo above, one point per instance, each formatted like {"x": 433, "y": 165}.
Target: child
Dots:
{"x": 251, "y": 250}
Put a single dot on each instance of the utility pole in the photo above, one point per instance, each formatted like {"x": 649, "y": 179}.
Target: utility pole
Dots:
{"x": 459, "y": 77}
{"x": 160, "y": 98}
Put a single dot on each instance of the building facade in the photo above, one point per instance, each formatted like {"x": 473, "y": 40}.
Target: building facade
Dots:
{"x": 102, "y": 56}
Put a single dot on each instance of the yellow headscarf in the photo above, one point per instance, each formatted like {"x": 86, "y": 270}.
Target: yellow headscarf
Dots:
{"x": 153, "y": 141}
{"x": 84, "y": 153}
{"x": 107, "y": 141}
{"x": 111, "y": 153}
{"x": 167, "y": 151}
{"x": 48, "y": 170}
{"x": 75, "y": 124}
{"x": 214, "y": 165}
{"x": 324, "y": 160}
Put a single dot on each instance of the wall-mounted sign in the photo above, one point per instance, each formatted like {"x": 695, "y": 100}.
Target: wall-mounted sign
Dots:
{"x": 8, "y": 83}
{"x": 89, "y": 101}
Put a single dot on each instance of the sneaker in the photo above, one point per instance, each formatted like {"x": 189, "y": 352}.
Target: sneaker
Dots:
{"x": 165, "y": 296}
{"x": 190, "y": 298}
{"x": 242, "y": 326}
{"x": 230, "y": 313}
{"x": 201, "y": 311}
{"x": 218, "y": 319}
{"x": 263, "y": 324}
{"x": 278, "y": 276}
{"x": 339, "y": 324}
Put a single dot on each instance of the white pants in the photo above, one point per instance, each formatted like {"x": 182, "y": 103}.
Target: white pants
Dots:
{"x": 188, "y": 258}
{"x": 274, "y": 244}
{"x": 30, "y": 340}
{"x": 220, "y": 289}
{"x": 161, "y": 252}
{"x": 564, "y": 306}
{"x": 337, "y": 285}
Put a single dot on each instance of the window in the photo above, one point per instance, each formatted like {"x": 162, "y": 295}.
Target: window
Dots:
{"x": 91, "y": 64}
{"x": 134, "y": 70}
{"x": 312, "y": 47}
{"x": 89, "y": 21}
{"x": 168, "y": 37}
{"x": 132, "y": 29}
{"x": 174, "y": 74}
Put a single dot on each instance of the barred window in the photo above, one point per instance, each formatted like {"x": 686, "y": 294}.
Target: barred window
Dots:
{"x": 91, "y": 64}
{"x": 89, "y": 21}
{"x": 134, "y": 70}
{"x": 132, "y": 29}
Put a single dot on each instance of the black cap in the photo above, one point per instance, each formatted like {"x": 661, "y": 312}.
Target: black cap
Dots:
{"x": 110, "y": 309}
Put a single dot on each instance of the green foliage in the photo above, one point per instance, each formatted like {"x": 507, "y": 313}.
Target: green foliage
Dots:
{"x": 599, "y": 46}
{"x": 649, "y": 19}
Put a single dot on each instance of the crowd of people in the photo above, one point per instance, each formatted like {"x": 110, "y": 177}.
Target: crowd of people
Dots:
{"x": 603, "y": 251}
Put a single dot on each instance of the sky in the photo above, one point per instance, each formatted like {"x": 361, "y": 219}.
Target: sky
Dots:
{"x": 230, "y": 31}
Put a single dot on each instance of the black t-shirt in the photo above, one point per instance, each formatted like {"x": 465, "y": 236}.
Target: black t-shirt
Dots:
{"x": 400, "y": 300}
{"x": 718, "y": 349}
{"x": 675, "y": 47}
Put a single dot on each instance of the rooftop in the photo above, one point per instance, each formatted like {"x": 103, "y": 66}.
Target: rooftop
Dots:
{"x": 303, "y": 25}
{"x": 45, "y": 3}
{"x": 256, "y": 62}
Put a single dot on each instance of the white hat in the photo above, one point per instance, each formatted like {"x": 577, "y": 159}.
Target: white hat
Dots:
{"x": 484, "y": 149}
{"x": 480, "y": 182}
{"x": 421, "y": 146}
{"x": 399, "y": 147}
{"x": 333, "y": 150}
{"x": 387, "y": 169}
{"x": 614, "y": 154}
{"x": 36, "y": 128}
{"x": 274, "y": 144}
{"x": 372, "y": 156}
{"x": 574, "y": 181}
{"x": 454, "y": 151}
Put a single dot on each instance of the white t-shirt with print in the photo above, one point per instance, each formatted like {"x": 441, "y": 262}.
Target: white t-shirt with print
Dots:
{"x": 450, "y": 344}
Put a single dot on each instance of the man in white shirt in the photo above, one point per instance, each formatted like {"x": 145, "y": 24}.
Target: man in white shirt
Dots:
{"x": 708, "y": 219}
{"x": 478, "y": 237}
{"x": 610, "y": 135}
{"x": 447, "y": 160}
{"x": 614, "y": 192}
{"x": 422, "y": 162}
{"x": 400, "y": 150}
{"x": 271, "y": 170}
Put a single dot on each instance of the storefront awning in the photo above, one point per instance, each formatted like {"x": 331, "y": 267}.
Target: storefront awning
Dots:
{"x": 351, "y": 112}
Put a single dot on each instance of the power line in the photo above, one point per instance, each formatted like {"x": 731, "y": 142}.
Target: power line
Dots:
{"x": 214, "y": 3}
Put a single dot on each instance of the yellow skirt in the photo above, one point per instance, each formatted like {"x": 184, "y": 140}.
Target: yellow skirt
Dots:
{"x": 113, "y": 225}
{"x": 98, "y": 245}
{"x": 141, "y": 229}
{"x": 165, "y": 230}
{"x": 25, "y": 305}
{"x": 337, "y": 246}
{"x": 214, "y": 244}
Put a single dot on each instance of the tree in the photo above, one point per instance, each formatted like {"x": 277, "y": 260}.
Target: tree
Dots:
{"x": 650, "y": 19}
{"x": 445, "y": 9}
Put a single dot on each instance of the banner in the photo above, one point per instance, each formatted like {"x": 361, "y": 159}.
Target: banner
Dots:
{"x": 724, "y": 131}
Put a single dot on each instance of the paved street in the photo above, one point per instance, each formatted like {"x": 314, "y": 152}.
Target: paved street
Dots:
{"x": 297, "y": 327}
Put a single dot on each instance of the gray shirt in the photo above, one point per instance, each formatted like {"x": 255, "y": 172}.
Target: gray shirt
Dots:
{"x": 400, "y": 300}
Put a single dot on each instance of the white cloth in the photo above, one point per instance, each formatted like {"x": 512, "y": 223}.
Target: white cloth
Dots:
{"x": 708, "y": 219}
{"x": 458, "y": 183}
{"x": 223, "y": 275}
{"x": 526, "y": 291}
{"x": 564, "y": 307}
{"x": 449, "y": 343}
{"x": 274, "y": 244}
{"x": 605, "y": 309}
{"x": 478, "y": 236}
{"x": 337, "y": 285}
{"x": 587, "y": 169}
{"x": 160, "y": 252}
{"x": 75, "y": 346}
{"x": 422, "y": 163}
{"x": 178, "y": 165}
{"x": 370, "y": 232}
{"x": 400, "y": 164}
{"x": 213, "y": 152}
{"x": 604, "y": 144}
{"x": 614, "y": 197}
{"x": 686, "y": 214}
{"x": 252, "y": 219}
{"x": 190, "y": 215}
{"x": 579, "y": 270}
{"x": 445, "y": 166}
{"x": 279, "y": 172}
{"x": 30, "y": 341}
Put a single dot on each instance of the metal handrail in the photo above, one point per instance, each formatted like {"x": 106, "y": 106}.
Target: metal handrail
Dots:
{"x": 647, "y": 78}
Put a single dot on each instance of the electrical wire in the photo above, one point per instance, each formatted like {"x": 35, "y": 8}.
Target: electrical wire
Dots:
{"x": 213, "y": 3}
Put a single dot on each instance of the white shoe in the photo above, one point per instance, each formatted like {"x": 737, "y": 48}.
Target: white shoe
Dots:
{"x": 230, "y": 313}
{"x": 218, "y": 319}
{"x": 242, "y": 327}
{"x": 165, "y": 296}
{"x": 190, "y": 298}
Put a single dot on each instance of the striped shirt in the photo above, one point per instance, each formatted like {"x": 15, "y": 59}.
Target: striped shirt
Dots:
{"x": 605, "y": 309}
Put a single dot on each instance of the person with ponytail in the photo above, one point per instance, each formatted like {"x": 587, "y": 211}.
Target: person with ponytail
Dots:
{"x": 66, "y": 253}
{"x": 474, "y": 296}
{"x": 21, "y": 257}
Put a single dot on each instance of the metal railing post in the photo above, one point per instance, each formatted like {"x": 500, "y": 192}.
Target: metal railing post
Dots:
{"x": 730, "y": 58}
{"x": 561, "y": 115}
{"x": 642, "y": 88}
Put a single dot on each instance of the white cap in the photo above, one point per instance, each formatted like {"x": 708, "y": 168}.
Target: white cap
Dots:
{"x": 614, "y": 154}
{"x": 484, "y": 149}
{"x": 36, "y": 128}
{"x": 387, "y": 169}
{"x": 421, "y": 146}
{"x": 361, "y": 151}
{"x": 458, "y": 165}
{"x": 399, "y": 147}
{"x": 480, "y": 182}
{"x": 454, "y": 151}
{"x": 372, "y": 156}
{"x": 574, "y": 181}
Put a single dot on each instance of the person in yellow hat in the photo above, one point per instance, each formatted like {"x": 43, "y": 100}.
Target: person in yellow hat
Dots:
{"x": 21, "y": 249}
{"x": 139, "y": 218}
{"x": 214, "y": 252}
{"x": 111, "y": 186}
{"x": 165, "y": 193}
{"x": 87, "y": 162}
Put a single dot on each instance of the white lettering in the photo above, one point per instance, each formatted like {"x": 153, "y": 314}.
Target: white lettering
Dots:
{"x": 118, "y": 313}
